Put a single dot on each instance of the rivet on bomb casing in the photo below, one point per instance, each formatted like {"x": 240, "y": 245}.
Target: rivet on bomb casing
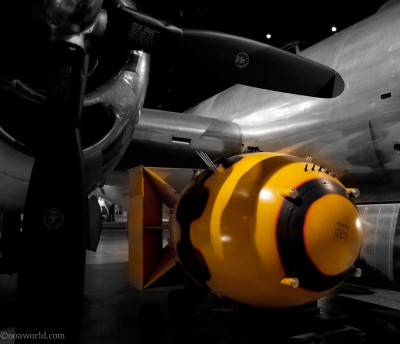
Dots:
{"x": 291, "y": 282}
{"x": 290, "y": 193}
{"x": 355, "y": 272}
{"x": 353, "y": 192}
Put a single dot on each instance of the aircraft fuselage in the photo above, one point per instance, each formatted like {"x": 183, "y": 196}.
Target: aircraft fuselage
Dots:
{"x": 354, "y": 135}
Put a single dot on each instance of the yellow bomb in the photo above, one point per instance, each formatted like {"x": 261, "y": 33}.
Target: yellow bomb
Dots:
{"x": 268, "y": 230}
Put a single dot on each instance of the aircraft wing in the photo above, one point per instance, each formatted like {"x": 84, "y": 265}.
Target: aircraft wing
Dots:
{"x": 171, "y": 139}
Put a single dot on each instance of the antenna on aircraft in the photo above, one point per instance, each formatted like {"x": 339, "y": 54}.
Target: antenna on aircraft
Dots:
{"x": 207, "y": 160}
{"x": 292, "y": 45}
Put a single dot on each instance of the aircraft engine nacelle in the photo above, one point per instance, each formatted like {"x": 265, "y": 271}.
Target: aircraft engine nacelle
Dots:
{"x": 109, "y": 116}
{"x": 268, "y": 230}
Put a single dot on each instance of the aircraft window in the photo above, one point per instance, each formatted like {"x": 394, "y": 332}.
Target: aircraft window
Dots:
{"x": 182, "y": 140}
{"x": 386, "y": 95}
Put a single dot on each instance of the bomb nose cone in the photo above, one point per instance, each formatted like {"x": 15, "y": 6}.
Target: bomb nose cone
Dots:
{"x": 332, "y": 234}
{"x": 71, "y": 16}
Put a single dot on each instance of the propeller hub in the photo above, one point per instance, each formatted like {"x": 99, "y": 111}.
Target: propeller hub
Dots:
{"x": 70, "y": 17}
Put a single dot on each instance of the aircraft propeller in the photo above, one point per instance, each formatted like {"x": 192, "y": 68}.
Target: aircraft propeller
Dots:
{"x": 50, "y": 285}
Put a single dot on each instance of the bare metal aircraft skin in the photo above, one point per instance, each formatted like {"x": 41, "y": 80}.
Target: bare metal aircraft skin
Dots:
{"x": 353, "y": 135}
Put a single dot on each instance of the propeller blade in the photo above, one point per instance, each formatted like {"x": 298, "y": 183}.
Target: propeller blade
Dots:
{"x": 50, "y": 285}
{"x": 142, "y": 32}
{"x": 236, "y": 59}
{"x": 257, "y": 64}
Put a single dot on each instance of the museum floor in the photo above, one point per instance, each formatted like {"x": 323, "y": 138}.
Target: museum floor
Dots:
{"x": 111, "y": 306}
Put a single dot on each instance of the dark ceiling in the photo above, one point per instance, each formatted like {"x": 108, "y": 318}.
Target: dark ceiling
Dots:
{"x": 287, "y": 21}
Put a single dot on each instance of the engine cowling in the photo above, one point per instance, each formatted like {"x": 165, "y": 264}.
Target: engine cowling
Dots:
{"x": 268, "y": 230}
{"x": 115, "y": 91}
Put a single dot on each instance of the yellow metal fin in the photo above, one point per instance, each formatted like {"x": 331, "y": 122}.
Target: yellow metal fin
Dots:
{"x": 166, "y": 192}
{"x": 166, "y": 262}
{"x": 145, "y": 211}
